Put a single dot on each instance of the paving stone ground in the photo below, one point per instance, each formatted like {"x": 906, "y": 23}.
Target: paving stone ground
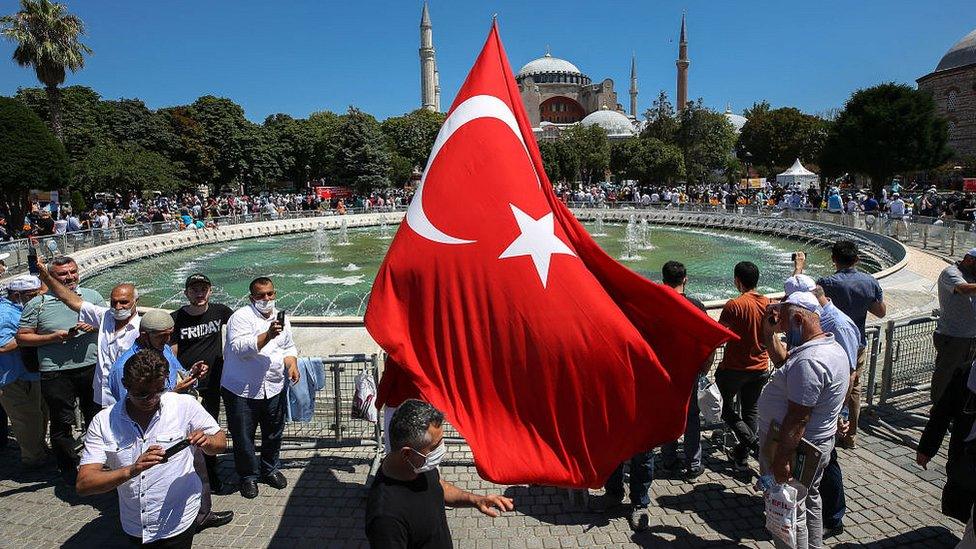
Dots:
{"x": 891, "y": 503}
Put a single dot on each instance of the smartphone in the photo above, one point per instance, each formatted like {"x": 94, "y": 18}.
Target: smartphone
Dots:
{"x": 73, "y": 331}
{"x": 281, "y": 319}
{"x": 32, "y": 260}
{"x": 176, "y": 448}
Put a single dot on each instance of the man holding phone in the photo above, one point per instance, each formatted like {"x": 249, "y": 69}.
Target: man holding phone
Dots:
{"x": 126, "y": 449}
{"x": 258, "y": 354}
{"x": 67, "y": 353}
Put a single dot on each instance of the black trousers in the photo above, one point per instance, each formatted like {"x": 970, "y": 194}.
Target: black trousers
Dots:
{"x": 211, "y": 403}
{"x": 832, "y": 494}
{"x": 61, "y": 390}
{"x": 183, "y": 540}
{"x": 746, "y": 386}
{"x": 244, "y": 415}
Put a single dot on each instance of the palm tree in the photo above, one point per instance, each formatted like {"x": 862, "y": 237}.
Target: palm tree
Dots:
{"x": 47, "y": 38}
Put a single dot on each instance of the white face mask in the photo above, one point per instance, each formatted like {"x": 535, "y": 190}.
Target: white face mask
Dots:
{"x": 431, "y": 460}
{"x": 264, "y": 305}
{"x": 121, "y": 314}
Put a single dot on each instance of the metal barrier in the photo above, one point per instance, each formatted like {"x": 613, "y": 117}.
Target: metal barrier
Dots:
{"x": 909, "y": 357}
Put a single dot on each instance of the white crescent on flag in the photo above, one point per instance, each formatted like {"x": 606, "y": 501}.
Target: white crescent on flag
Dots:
{"x": 478, "y": 106}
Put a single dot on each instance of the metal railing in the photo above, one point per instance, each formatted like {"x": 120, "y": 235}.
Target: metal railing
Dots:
{"x": 70, "y": 242}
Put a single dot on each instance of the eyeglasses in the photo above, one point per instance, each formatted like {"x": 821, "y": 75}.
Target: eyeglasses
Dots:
{"x": 145, "y": 397}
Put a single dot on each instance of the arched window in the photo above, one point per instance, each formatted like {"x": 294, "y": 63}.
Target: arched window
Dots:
{"x": 951, "y": 99}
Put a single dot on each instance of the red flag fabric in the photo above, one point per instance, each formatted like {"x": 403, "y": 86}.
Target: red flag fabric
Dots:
{"x": 555, "y": 362}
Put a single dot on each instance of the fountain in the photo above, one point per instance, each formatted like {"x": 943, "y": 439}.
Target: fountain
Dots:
{"x": 644, "y": 235}
{"x": 384, "y": 229}
{"x": 343, "y": 238}
{"x": 598, "y": 228}
{"x": 631, "y": 241}
{"x": 321, "y": 246}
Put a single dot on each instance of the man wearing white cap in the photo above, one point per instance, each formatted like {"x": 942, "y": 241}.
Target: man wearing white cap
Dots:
{"x": 955, "y": 332}
{"x": 804, "y": 396}
{"x": 117, "y": 325}
{"x": 20, "y": 389}
{"x": 896, "y": 214}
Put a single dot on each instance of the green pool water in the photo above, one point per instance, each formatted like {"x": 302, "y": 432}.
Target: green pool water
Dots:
{"x": 341, "y": 285}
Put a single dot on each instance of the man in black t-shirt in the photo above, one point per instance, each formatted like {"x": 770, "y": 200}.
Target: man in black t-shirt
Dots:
{"x": 197, "y": 336}
{"x": 675, "y": 275}
{"x": 405, "y": 505}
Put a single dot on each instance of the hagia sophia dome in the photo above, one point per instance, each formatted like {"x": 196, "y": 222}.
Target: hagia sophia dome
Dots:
{"x": 737, "y": 120}
{"x": 546, "y": 68}
{"x": 616, "y": 124}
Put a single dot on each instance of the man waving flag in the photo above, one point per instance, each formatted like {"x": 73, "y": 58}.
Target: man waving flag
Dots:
{"x": 555, "y": 362}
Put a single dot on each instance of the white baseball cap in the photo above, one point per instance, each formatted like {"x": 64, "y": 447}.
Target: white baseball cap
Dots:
{"x": 805, "y": 300}
{"x": 799, "y": 283}
{"x": 972, "y": 252}
{"x": 24, "y": 283}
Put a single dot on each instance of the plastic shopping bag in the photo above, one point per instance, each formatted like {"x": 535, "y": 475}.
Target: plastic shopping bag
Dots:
{"x": 710, "y": 402}
{"x": 364, "y": 402}
{"x": 781, "y": 502}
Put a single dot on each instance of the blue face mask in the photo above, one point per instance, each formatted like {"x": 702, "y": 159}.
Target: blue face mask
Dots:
{"x": 794, "y": 336}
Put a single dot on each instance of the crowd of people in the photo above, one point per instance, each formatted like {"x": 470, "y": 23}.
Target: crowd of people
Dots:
{"x": 148, "y": 386}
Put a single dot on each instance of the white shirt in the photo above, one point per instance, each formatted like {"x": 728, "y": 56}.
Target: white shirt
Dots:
{"x": 164, "y": 500}
{"x": 897, "y": 208}
{"x": 815, "y": 375}
{"x": 250, "y": 372}
{"x": 111, "y": 344}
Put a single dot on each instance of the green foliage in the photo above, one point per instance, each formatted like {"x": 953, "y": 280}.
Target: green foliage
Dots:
{"x": 78, "y": 203}
{"x": 48, "y": 39}
{"x": 362, "y": 159}
{"x": 110, "y": 168}
{"x": 324, "y": 127}
{"x": 549, "y": 151}
{"x": 410, "y": 138}
{"x": 593, "y": 149}
{"x": 79, "y": 116}
{"x": 706, "y": 139}
{"x": 884, "y": 130}
{"x": 777, "y": 137}
{"x": 647, "y": 160}
{"x": 662, "y": 122}
{"x": 569, "y": 160}
{"x": 295, "y": 142}
{"x": 30, "y": 156}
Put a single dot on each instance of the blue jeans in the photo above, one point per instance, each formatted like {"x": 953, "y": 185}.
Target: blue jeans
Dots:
{"x": 832, "y": 492}
{"x": 692, "y": 441}
{"x": 641, "y": 476}
{"x": 243, "y": 417}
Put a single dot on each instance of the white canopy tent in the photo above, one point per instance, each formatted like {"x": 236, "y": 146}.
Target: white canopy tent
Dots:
{"x": 797, "y": 175}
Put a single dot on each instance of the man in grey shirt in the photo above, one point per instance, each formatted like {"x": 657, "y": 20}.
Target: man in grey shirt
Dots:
{"x": 66, "y": 351}
{"x": 955, "y": 333}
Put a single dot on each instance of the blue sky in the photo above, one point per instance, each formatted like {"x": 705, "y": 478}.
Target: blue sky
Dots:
{"x": 301, "y": 56}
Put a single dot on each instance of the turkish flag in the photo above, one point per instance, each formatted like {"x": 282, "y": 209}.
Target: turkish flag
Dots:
{"x": 555, "y": 362}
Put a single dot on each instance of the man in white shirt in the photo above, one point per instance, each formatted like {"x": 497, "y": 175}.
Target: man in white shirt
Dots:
{"x": 117, "y": 325}
{"x": 803, "y": 397}
{"x": 896, "y": 214}
{"x": 125, "y": 449}
{"x": 258, "y": 353}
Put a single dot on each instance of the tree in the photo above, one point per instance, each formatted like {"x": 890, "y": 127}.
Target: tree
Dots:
{"x": 362, "y": 159}
{"x": 569, "y": 160}
{"x": 129, "y": 121}
{"x": 109, "y": 168}
{"x": 884, "y": 130}
{"x": 324, "y": 127}
{"x": 48, "y": 39}
{"x": 192, "y": 154}
{"x": 295, "y": 145}
{"x": 412, "y": 135}
{"x": 79, "y": 116}
{"x": 775, "y": 138}
{"x": 662, "y": 123}
{"x": 648, "y": 160}
{"x": 593, "y": 149}
{"x": 31, "y": 157}
{"x": 705, "y": 138}
{"x": 549, "y": 151}
{"x": 224, "y": 130}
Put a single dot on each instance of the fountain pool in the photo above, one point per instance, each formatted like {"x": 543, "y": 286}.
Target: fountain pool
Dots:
{"x": 318, "y": 274}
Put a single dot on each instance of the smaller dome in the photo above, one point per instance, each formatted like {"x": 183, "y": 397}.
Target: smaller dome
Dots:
{"x": 548, "y": 64}
{"x": 613, "y": 122}
{"x": 737, "y": 120}
{"x": 961, "y": 54}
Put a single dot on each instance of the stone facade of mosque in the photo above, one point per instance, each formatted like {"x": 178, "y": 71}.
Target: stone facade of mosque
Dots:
{"x": 953, "y": 86}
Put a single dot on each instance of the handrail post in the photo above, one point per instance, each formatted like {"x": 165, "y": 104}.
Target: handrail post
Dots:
{"x": 886, "y": 372}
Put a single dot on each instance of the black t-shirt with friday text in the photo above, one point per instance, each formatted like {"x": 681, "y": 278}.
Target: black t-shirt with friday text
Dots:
{"x": 198, "y": 338}
{"x": 407, "y": 514}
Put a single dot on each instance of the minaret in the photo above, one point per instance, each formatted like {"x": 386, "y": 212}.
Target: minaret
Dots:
{"x": 682, "y": 64}
{"x": 437, "y": 88}
{"x": 633, "y": 86}
{"x": 428, "y": 70}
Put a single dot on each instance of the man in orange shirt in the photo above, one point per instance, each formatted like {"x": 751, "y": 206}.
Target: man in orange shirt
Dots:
{"x": 745, "y": 367}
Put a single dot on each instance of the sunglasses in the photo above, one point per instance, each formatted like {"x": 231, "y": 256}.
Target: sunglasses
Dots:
{"x": 144, "y": 397}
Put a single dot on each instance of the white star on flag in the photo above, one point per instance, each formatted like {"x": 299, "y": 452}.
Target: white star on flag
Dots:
{"x": 538, "y": 240}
